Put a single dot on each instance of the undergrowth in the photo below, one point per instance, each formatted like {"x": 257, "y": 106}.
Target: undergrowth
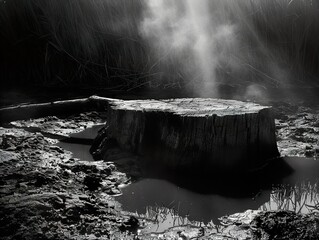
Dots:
{"x": 98, "y": 42}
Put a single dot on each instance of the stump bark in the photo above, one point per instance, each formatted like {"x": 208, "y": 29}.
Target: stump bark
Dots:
{"x": 192, "y": 133}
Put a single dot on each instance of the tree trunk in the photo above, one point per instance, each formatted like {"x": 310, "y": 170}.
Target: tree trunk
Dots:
{"x": 209, "y": 134}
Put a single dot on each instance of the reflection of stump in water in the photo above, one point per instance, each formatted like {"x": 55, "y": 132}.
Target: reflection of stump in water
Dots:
{"x": 187, "y": 133}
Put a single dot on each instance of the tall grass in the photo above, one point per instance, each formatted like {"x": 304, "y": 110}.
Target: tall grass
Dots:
{"x": 291, "y": 28}
{"x": 98, "y": 43}
{"x": 71, "y": 41}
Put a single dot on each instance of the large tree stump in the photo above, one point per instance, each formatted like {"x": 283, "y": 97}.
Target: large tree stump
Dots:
{"x": 193, "y": 133}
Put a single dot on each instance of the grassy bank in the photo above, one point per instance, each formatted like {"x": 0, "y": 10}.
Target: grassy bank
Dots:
{"x": 99, "y": 43}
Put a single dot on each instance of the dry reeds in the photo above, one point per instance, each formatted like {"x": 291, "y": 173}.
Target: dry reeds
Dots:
{"x": 98, "y": 43}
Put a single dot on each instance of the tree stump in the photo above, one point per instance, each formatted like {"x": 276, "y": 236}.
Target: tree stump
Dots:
{"x": 192, "y": 133}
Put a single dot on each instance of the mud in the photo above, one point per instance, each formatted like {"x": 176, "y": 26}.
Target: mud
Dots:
{"x": 297, "y": 130}
{"x": 46, "y": 193}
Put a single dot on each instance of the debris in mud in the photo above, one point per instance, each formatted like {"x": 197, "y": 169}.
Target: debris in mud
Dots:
{"x": 297, "y": 130}
{"x": 285, "y": 225}
{"x": 44, "y": 192}
{"x": 61, "y": 127}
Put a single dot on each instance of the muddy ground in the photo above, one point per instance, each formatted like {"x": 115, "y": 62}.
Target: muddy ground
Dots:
{"x": 47, "y": 194}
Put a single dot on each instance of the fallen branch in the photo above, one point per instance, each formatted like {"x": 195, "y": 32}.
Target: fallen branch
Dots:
{"x": 57, "y": 108}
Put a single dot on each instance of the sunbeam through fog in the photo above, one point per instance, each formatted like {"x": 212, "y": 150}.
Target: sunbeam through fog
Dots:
{"x": 209, "y": 43}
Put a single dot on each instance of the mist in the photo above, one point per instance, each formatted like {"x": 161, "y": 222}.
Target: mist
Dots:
{"x": 197, "y": 47}
{"x": 210, "y": 43}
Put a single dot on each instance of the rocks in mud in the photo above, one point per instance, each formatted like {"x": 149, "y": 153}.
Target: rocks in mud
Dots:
{"x": 37, "y": 202}
{"x": 41, "y": 178}
{"x": 298, "y": 132}
{"x": 46, "y": 194}
{"x": 7, "y": 142}
{"x": 61, "y": 127}
{"x": 99, "y": 167}
{"x": 97, "y": 174}
{"x": 244, "y": 218}
{"x": 58, "y": 213}
{"x": 8, "y": 156}
{"x": 22, "y": 212}
{"x": 285, "y": 225}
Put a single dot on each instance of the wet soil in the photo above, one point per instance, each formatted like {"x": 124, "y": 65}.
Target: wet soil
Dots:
{"x": 47, "y": 193}
{"x": 297, "y": 130}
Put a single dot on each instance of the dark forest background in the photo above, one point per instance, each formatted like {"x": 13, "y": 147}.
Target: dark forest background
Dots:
{"x": 98, "y": 43}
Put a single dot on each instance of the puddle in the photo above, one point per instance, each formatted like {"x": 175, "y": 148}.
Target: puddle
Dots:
{"x": 169, "y": 202}
{"x": 80, "y": 151}
{"x": 162, "y": 200}
{"x": 156, "y": 193}
{"x": 89, "y": 133}
{"x": 163, "y": 219}
{"x": 299, "y": 191}
{"x": 79, "y": 143}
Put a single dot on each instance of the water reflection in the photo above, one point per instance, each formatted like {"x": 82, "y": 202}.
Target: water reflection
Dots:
{"x": 299, "y": 191}
{"x": 80, "y": 151}
{"x": 80, "y": 143}
{"x": 196, "y": 206}
{"x": 164, "y": 218}
{"x": 88, "y": 133}
{"x": 174, "y": 204}
{"x": 161, "y": 219}
{"x": 301, "y": 198}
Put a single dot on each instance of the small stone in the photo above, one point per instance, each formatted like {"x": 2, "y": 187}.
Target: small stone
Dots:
{"x": 113, "y": 191}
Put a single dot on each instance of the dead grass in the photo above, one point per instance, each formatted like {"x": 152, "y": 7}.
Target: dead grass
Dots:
{"x": 97, "y": 42}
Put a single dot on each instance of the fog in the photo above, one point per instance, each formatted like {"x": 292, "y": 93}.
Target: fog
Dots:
{"x": 210, "y": 43}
